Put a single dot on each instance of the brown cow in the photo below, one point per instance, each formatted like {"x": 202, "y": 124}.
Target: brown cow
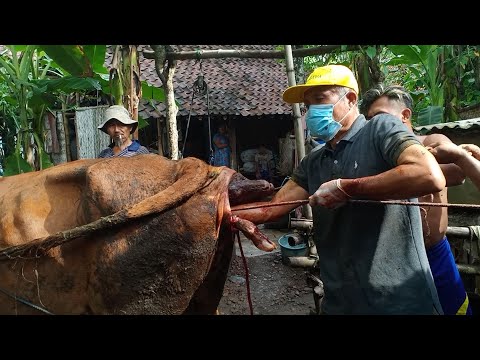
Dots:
{"x": 151, "y": 236}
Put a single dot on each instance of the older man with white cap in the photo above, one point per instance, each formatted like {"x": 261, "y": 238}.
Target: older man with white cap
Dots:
{"x": 119, "y": 126}
{"x": 371, "y": 256}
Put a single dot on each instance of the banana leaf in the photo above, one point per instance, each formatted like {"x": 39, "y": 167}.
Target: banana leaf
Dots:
{"x": 72, "y": 58}
{"x": 430, "y": 115}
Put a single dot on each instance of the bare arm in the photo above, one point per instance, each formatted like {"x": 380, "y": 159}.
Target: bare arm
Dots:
{"x": 453, "y": 173}
{"x": 472, "y": 149}
{"x": 462, "y": 155}
{"x": 290, "y": 191}
{"x": 417, "y": 173}
{"x": 471, "y": 168}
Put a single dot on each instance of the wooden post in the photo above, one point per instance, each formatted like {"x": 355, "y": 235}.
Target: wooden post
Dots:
{"x": 66, "y": 128}
{"x": 297, "y": 122}
{"x": 159, "y": 137}
{"x": 232, "y": 132}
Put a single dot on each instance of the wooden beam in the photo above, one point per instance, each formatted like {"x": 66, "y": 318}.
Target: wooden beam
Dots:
{"x": 469, "y": 269}
{"x": 259, "y": 54}
{"x": 458, "y": 231}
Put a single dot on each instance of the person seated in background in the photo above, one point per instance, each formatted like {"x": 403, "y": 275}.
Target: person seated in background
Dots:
{"x": 263, "y": 164}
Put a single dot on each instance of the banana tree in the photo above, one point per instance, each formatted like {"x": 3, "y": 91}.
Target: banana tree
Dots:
{"x": 424, "y": 61}
{"x": 18, "y": 65}
{"x": 35, "y": 85}
{"x": 122, "y": 82}
{"x": 125, "y": 82}
{"x": 367, "y": 66}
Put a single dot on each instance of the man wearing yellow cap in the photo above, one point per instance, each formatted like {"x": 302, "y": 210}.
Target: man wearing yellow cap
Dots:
{"x": 371, "y": 256}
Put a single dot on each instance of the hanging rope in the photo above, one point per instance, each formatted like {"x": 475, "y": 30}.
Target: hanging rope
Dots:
{"x": 247, "y": 277}
{"x": 200, "y": 88}
{"x": 188, "y": 124}
{"x": 211, "y": 157}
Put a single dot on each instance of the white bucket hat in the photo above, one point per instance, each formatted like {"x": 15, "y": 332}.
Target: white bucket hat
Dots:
{"x": 119, "y": 113}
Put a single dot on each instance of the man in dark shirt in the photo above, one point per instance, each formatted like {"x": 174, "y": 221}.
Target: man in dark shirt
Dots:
{"x": 371, "y": 256}
{"x": 397, "y": 101}
{"x": 119, "y": 126}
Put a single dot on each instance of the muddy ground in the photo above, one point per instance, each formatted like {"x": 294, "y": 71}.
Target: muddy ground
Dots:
{"x": 275, "y": 288}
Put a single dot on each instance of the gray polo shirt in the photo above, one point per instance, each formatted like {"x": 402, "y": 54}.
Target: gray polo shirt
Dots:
{"x": 372, "y": 256}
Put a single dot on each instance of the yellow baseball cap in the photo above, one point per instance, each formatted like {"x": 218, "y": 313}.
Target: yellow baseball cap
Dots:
{"x": 324, "y": 75}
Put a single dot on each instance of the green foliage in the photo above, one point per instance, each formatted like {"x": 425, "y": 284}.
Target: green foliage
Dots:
{"x": 152, "y": 93}
{"x": 96, "y": 55}
{"x": 68, "y": 84}
{"x": 371, "y": 51}
{"x": 15, "y": 164}
{"x": 431, "y": 73}
{"x": 430, "y": 115}
{"x": 72, "y": 58}
{"x": 45, "y": 159}
{"x": 142, "y": 122}
{"x": 422, "y": 61}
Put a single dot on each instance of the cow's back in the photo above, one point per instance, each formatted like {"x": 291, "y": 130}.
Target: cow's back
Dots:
{"x": 153, "y": 264}
{"x": 37, "y": 204}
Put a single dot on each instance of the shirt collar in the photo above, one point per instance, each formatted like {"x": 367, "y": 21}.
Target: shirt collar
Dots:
{"x": 359, "y": 123}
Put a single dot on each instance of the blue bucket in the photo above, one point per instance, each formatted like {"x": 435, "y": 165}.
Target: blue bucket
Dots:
{"x": 288, "y": 250}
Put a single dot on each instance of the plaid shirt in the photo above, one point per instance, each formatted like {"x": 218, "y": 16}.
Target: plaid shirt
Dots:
{"x": 134, "y": 149}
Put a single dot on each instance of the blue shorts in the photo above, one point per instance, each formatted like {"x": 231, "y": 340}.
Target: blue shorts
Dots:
{"x": 448, "y": 282}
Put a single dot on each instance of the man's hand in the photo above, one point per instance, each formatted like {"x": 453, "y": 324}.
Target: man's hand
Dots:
{"x": 329, "y": 194}
{"x": 447, "y": 152}
{"x": 472, "y": 149}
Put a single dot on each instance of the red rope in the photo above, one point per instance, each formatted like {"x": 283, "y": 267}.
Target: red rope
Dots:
{"x": 247, "y": 280}
{"x": 387, "y": 202}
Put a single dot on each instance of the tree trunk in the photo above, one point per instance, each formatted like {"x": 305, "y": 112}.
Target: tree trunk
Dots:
{"x": 171, "y": 112}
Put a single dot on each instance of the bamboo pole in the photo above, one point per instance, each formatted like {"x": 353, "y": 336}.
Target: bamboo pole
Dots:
{"x": 259, "y": 54}
{"x": 297, "y": 122}
{"x": 66, "y": 128}
{"x": 159, "y": 137}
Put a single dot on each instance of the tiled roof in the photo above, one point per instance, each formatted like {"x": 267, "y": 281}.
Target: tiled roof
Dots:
{"x": 238, "y": 86}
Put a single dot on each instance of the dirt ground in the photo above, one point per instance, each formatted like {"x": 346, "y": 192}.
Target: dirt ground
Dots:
{"x": 275, "y": 288}
{"x": 278, "y": 289}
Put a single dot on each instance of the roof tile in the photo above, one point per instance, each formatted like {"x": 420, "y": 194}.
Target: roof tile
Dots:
{"x": 251, "y": 87}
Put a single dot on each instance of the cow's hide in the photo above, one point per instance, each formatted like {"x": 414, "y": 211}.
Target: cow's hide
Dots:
{"x": 172, "y": 261}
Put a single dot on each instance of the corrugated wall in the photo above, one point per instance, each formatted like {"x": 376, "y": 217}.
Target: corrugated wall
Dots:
{"x": 90, "y": 140}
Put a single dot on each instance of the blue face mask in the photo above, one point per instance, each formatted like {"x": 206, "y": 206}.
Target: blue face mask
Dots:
{"x": 320, "y": 122}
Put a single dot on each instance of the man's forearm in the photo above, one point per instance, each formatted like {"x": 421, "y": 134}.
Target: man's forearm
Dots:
{"x": 402, "y": 182}
{"x": 471, "y": 168}
{"x": 290, "y": 191}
